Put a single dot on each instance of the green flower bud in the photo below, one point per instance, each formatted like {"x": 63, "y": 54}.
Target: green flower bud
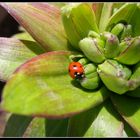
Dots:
{"x": 115, "y": 76}
{"x": 122, "y": 31}
{"x": 117, "y": 29}
{"x": 79, "y": 58}
{"x": 75, "y": 57}
{"x": 97, "y": 38}
{"x": 93, "y": 34}
{"x": 91, "y": 83}
{"x": 135, "y": 78}
{"x": 127, "y": 32}
{"x": 130, "y": 55}
{"x": 91, "y": 79}
{"x": 92, "y": 50}
{"x": 90, "y": 68}
{"x": 100, "y": 42}
{"x": 136, "y": 72}
{"x": 111, "y": 48}
{"x": 124, "y": 44}
{"x": 83, "y": 61}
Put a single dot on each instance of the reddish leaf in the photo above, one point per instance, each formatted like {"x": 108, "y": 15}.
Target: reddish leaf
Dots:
{"x": 42, "y": 21}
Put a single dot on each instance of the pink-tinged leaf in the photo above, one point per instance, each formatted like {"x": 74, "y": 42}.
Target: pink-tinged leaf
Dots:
{"x": 42, "y": 87}
{"x": 3, "y": 121}
{"x": 13, "y": 53}
{"x": 97, "y": 7}
{"x": 42, "y": 21}
{"x": 59, "y": 4}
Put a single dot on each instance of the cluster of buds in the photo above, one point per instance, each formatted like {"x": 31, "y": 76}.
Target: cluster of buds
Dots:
{"x": 111, "y": 57}
{"x": 90, "y": 80}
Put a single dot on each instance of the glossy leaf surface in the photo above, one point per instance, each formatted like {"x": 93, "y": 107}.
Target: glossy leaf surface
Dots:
{"x": 42, "y": 87}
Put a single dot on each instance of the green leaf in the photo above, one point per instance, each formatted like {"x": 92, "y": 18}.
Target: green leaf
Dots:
{"x": 128, "y": 131}
{"x": 134, "y": 93}
{"x": 105, "y": 15}
{"x": 101, "y": 121}
{"x": 13, "y": 53}
{"x": 16, "y": 125}
{"x": 125, "y": 14}
{"x": 42, "y": 87}
{"x": 117, "y": 6}
{"x": 42, "y": 21}
{"x": 56, "y": 128}
{"x": 130, "y": 55}
{"x": 78, "y": 19}
{"x": 36, "y": 128}
{"x": 23, "y": 36}
{"x": 135, "y": 78}
{"x": 129, "y": 108}
{"x": 79, "y": 124}
{"x": 135, "y": 22}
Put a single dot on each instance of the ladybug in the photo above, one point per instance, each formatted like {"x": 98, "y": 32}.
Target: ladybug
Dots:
{"x": 76, "y": 70}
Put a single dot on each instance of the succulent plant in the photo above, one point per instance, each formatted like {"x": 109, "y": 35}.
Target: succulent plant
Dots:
{"x": 43, "y": 99}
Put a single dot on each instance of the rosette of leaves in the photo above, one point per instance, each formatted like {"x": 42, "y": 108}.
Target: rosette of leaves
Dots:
{"x": 40, "y": 94}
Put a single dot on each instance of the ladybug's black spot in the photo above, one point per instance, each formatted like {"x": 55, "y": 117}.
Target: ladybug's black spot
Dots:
{"x": 69, "y": 70}
{"x": 74, "y": 65}
{"x": 75, "y": 73}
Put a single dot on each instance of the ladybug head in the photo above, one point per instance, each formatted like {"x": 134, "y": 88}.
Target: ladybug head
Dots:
{"x": 78, "y": 75}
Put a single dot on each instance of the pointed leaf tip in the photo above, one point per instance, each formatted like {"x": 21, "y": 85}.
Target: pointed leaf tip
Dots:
{"x": 72, "y": 16}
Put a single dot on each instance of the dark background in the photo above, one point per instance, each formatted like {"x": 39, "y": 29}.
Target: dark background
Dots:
{"x": 8, "y": 27}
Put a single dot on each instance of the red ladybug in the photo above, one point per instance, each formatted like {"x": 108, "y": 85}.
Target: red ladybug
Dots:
{"x": 76, "y": 70}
